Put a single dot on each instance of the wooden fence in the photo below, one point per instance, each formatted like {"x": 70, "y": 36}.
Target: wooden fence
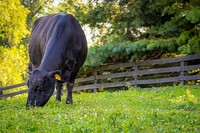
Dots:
{"x": 141, "y": 74}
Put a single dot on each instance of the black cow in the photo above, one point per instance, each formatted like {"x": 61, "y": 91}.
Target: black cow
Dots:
{"x": 57, "y": 50}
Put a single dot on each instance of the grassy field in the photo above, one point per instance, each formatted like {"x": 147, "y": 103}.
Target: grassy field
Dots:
{"x": 158, "y": 110}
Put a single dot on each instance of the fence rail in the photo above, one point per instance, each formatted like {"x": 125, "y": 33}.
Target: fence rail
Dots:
{"x": 140, "y": 73}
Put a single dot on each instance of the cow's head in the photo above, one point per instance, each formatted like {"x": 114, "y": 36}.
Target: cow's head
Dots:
{"x": 41, "y": 86}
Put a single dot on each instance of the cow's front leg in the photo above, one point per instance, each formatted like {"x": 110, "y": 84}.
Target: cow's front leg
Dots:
{"x": 59, "y": 89}
{"x": 69, "y": 94}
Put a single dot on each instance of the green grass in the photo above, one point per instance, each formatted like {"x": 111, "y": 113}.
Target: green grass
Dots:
{"x": 159, "y": 110}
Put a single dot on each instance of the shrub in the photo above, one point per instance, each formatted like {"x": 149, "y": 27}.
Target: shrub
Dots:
{"x": 13, "y": 65}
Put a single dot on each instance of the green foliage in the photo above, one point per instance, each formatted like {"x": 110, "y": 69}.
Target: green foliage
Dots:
{"x": 13, "y": 64}
{"x": 129, "y": 51}
{"x": 189, "y": 42}
{"x": 193, "y": 15}
{"x": 12, "y": 22}
{"x": 79, "y": 9}
{"x": 36, "y": 8}
{"x": 135, "y": 110}
{"x": 129, "y": 21}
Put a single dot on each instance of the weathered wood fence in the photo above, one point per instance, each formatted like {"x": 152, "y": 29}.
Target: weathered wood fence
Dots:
{"x": 166, "y": 70}
{"x": 174, "y": 70}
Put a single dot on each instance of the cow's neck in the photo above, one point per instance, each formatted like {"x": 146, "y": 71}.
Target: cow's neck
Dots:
{"x": 52, "y": 59}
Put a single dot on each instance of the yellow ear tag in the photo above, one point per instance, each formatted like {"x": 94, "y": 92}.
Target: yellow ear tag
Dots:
{"x": 57, "y": 77}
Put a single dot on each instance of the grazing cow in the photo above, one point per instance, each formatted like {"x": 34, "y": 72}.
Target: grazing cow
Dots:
{"x": 57, "y": 50}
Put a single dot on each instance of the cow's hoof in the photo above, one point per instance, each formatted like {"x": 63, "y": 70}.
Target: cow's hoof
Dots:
{"x": 58, "y": 99}
{"x": 69, "y": 102}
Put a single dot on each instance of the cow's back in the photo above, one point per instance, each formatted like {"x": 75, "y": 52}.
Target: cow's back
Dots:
{"x": 44, "y": 30}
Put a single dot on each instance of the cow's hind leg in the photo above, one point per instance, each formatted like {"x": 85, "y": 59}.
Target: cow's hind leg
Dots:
{"x": 75, "y": 66}
{"x": 70, "y": 84}
{"x": 59, "y": 89}
{"x": 69, "y": 94}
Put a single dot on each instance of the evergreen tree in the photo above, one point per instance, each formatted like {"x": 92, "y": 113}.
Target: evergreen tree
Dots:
{"x": 138, "y": 29}
{"x": 176, "y": 21}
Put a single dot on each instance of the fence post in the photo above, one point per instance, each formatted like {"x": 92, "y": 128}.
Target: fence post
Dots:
{"x": 1, "y": 91}
{"x": 181, "y": 73}
{"x": 135, "y": 74}
{"x": 95, "y": 81}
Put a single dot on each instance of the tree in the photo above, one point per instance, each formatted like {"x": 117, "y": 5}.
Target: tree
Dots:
{"x": 172, "y": 20}
{"x": 36, "y": 8}
{"x": 12, "y": 22}
{"x": 144, "y": 29}
{"x": 138, "y": 29}
{"x": 77, "y": 8}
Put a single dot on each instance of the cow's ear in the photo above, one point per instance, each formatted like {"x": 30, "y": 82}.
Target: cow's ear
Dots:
{"x": 55, "y": 74}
